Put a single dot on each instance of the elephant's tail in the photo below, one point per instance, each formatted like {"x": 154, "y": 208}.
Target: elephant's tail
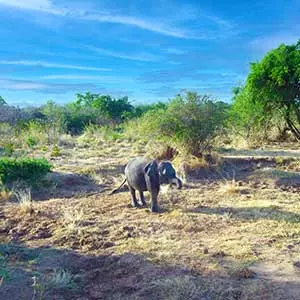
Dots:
{"x": 115, "y": 190}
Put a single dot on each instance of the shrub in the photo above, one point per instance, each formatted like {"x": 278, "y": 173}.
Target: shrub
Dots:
{"x": 9, "y": 149}
{"x": 29, "y": 170}
{"x": 7, "y": 139}
{"x": 31, "y": 142}
{"x": 190, "y": 123}
{"x": 32, "y": 134}
{"x": 55, "y": 151}
{"x": 94, "y": 133}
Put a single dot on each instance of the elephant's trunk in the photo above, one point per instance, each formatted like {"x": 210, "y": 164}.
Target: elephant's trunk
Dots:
{"x": 177, "y": 182}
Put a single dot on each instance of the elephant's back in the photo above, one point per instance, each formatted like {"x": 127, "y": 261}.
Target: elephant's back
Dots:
{"x": 135, "y": 173}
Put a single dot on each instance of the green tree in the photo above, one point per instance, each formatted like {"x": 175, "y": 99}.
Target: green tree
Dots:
{"x": 114, "y": 109}
{"x": 272, "y": 88}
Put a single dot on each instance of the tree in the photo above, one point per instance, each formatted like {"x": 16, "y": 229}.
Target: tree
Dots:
{"x": 273, "y": 85}
{"x": 114, "y": 109}
{"x": 247, "y": 118}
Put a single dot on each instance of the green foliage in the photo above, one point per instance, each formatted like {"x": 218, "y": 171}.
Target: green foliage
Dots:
{"x": 31, "y": 142}
{"x": 9, "y": 149}
{"x": 190, "y": 122}
{"x": 55, "y": 151}
{"x": 272, "y": 91}
{"x": 4, "y": 274}
{"x": 7, "y": 139}
{"x": 26, "y": 169}
{"x": 108, "y": 107}
{"x": 32, "y": 133}
{"x": 77, "y": 117}
{"x": 140, "y": 110}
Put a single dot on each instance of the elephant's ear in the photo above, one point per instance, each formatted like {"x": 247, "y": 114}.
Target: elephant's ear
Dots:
{"x": 151, "y": 167}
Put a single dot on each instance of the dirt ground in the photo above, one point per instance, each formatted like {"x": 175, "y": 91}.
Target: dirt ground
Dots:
{"x": 232, "y": 232}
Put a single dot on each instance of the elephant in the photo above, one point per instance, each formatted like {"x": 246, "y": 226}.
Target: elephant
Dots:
{"x": 143, "y": 174}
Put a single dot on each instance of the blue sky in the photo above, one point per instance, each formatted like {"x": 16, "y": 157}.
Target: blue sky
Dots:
{"x": 148, "y": 50}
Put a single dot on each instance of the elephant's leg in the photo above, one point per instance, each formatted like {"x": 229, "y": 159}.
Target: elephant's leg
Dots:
{"x": 142, "y": 198}
{"x": 154, "y": 202}
{"x": 154, "y": 206}
{"x": 133, "y": 197}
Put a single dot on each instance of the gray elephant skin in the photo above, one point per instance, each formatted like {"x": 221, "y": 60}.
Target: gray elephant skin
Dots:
{"x": 143, "y": 174}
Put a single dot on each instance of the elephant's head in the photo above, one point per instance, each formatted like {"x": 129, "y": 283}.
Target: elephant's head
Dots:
{"x": 167, "y": 174}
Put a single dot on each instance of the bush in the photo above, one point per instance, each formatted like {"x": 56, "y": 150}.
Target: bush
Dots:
{"x": 55, "y": 151}
{"x": 31, "y": 142}
{"x": 9, "y": 149}
{"x": 32, "y": 134}
{"x": 190, "y": 123}
{"x": 95, "y": 134}
{"x": 29, "y": 170}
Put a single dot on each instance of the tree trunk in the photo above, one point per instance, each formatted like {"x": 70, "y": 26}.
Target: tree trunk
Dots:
{"x": 291, "y": 125}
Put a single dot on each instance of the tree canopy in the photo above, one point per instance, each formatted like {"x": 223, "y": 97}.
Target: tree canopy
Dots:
{"x": 272, "y": 88}
{"x": 106, "y": 105}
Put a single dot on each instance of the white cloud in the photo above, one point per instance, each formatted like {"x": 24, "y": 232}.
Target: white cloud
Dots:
{"x": 138, "y": 57}
{"x": 44, "y": 64}
{"x": 21, "y": 85}
{"x": 45, "y": 6}
{"x": 93, "y": 78}
{"x": 153, "y": 25}
{"x": 174, "y": 63}
{"x": 175, "y": 51}
{"x": 35, "y": 86}
{"x": 266, "y": 43}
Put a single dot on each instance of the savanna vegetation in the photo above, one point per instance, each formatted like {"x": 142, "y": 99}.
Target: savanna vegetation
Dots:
{"x": 232, "y": 232}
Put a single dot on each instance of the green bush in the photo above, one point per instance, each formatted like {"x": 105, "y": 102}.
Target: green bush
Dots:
{"x": 31, "y": 142}
{"x": 9, "y": 149}
{"x": 55, "y": 151}
{"x": 190, "y": 123}
{"x": 29, "y": 170}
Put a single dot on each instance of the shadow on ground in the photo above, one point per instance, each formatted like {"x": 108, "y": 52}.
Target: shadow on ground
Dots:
{"x": 250, "y": 213}
{"x": 68, "y": 185}
{"x": 126, "y": 276}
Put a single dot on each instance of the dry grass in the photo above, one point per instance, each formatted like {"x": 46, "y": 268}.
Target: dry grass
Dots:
{"x": 5, "y": 194}
{"x": 23, "y": 195}
{"x": 217, "y": 230}
{"x": 72, "y": 219}
{"x": 230, "y": 187}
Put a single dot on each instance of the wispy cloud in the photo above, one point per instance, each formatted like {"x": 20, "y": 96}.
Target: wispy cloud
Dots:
{"x": 171, "y": 75}
{"x": 159, "y": 26}
{"x": 45, "y": 64}
{"x": 136, "y": 57}
{"x": 174, "y": 63}
{"x": 165, "y": 91}
{"x": 53, "y": 88}
{"x": 45, "y": 6}
{"x": 175, "y": 51}
{"x": 92, "y": 78}
{"x": 150, "y": 25}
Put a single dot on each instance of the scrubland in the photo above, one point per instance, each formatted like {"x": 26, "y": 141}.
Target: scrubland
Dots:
{"x": 232, "y": 232}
